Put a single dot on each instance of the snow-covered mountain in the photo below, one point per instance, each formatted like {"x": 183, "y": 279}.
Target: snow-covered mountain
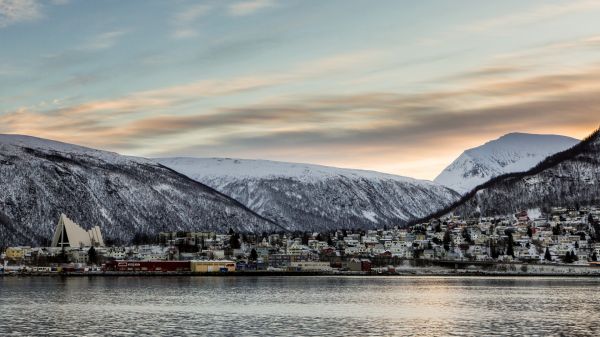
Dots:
{"x": 514, "y": 152}
{"x": 39, "y": 179}
{"x": 569, "y": 178}
{"x": 313, "y": 197}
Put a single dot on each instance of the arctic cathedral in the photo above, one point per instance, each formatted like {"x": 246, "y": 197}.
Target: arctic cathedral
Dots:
{"x": 70, "y": 234}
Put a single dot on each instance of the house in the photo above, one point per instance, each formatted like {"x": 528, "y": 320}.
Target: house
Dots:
{"x": 363, "y": 265}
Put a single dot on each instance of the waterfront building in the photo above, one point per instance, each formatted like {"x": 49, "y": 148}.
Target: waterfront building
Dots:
{"x": 209, "y": 266}
{"x": 16, "y": 253}
{"x": 317, "y": 266}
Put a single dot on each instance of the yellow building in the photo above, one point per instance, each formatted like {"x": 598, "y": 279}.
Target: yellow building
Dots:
{"x": 15, "y": 253}
{"x": 212, "y": 266}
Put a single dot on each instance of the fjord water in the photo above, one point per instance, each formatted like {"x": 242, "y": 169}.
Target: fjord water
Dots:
{"x": 265, "y": 306}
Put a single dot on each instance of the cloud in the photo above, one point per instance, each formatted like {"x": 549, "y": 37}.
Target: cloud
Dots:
{"x": 393, "y": 131}
{"x": 137, "y": 106}
{"x": 171, "y": 97}
{"x": 249, "y": 7}
{"x": 331, "y": 124}
{"x": 102, "y": 41}
{"x": 16, "y": 11}
{"x": 184, "y": 20}
{"x": 536, "y": 14}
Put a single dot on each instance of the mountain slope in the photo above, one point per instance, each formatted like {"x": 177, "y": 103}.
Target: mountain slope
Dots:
{"x": 514, "y": 152}
{"x": 40, "y": 179}
{"x": 568, "y": 178}
{"x": 313, "y": 197}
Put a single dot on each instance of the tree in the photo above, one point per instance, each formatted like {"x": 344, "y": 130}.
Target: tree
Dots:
{"x": 92, "y": 255}
{"x": 234, "y": 241}
{"x": 305, "y": 238}
{"x": 253, "y": 255}
{"x": 574, "y": 257}
{"x": 594, "y": 257}
{"x": 509, "y": 249}
{"x": 494, "y": 252}
{"x": 329, "y": 241}
{"x": 466, "y": 235}
{"x": 447, "y": 240}
{"x": 529, "y": 231}
{"x": 547, "y": 255}
{"x": 556, "y": 230}
{"x": 568, "y": 258}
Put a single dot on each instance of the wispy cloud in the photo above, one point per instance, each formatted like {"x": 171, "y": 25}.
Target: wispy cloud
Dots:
{"x": 249, "y": 7}
{"x": 535, "y": 14}
{"x": 15, "y": 11}
{"x": 102, "y": 41}
{"x": 152, "y": 104}
{"x": 183, "y": 21}
{"x": 331, "y": 129}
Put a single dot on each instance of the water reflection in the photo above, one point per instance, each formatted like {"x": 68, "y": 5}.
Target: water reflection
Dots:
{"x": 299, "y": 306}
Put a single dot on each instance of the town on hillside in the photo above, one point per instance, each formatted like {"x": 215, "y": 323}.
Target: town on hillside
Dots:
{"x": 563, "y": 241}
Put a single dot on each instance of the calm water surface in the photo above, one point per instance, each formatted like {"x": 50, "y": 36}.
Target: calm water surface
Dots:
{"x": 307, "y": 306}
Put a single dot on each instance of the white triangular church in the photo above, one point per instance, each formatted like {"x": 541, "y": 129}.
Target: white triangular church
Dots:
{"x": 70, "y": 234}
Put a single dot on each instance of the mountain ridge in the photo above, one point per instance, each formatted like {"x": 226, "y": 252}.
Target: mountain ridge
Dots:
{"x": 512, "y": 152}
{"x": 309, "y": 196}
{"x": 124, "y": 195}
{"x": 584, "y": 157}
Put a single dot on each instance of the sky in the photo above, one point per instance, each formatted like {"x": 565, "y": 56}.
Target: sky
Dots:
{"x": 402, "y": 87}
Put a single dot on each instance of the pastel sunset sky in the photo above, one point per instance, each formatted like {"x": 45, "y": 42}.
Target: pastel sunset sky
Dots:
{"x": 395, "y": 86}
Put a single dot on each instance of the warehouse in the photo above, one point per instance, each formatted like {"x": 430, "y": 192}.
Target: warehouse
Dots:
{"x": 147, "y": 266}
{"x": 211, "y": 266}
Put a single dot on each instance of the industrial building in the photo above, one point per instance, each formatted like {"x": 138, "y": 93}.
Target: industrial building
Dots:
{"x": 210, "y": 266}
{"x": 147, "y": 266}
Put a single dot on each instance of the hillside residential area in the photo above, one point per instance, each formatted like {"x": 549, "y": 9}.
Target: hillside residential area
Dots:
{"x": 562, "y": 237}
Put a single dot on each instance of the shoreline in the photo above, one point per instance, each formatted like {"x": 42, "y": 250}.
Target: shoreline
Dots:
{"x": 300, "y": 274}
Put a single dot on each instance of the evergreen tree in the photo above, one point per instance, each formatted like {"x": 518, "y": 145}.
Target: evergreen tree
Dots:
{"x": 594, "y": 257}
{"x": 92, "y": 255}
{"x": 234, "y": 241}
{"x": 305, "y": 238}
{"x": 529, "y": 231}
{"x": 567, "y": 258}
{"x": 253, "y": 255}
{"x": 547, "y": 255}
{"x": 509, "y": 249}
{"x": 466, "y": 235}
{"x": 494, "y": 251}
{"x": 556, "y": 230}
{"x": 447, "y": 240}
